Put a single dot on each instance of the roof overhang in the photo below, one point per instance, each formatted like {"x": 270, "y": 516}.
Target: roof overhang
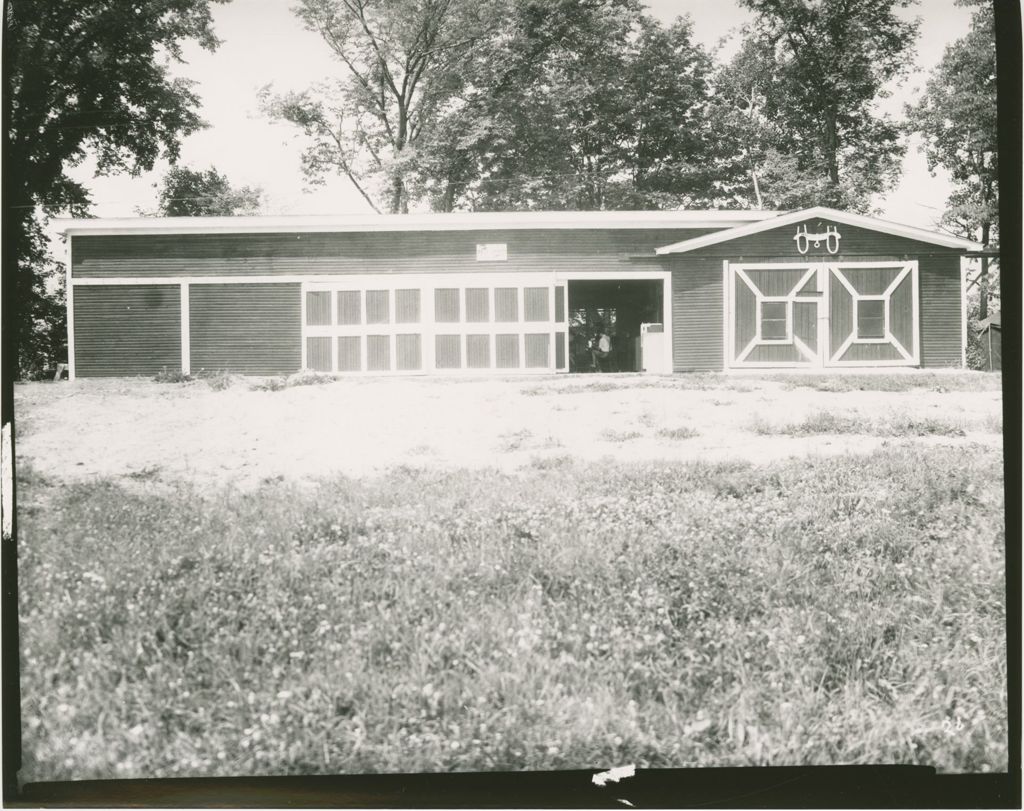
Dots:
{"x": 844, "y": 217}
{"x": 455, "y": 221}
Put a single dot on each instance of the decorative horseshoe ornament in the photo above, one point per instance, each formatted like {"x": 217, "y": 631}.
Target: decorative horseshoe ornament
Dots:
{"x": 831, "y": 239}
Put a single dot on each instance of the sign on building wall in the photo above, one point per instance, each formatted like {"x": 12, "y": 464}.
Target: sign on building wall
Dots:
{"x": 491, "y": 252}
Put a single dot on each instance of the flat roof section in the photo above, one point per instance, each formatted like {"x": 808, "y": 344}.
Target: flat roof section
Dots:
{"x": 454, "y": 221}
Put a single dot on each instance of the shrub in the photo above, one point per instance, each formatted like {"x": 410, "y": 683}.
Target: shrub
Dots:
{"x": 172, "y": 376}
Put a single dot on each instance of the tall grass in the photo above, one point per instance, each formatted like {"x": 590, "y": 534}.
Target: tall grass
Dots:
{"x": 908, "y": 381}
{"x": 830, "y": 422}
{"x": 838, "y": 610}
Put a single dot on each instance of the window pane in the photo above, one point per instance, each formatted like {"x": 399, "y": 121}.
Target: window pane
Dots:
{"x": 318, "y": 308}
{"x": 407, "y": 351}
{"x": 446, "y": 352}
{"x": 506, "y": 307}
{"x": 478, "y": 351}
{"x": 773, "y": 320}
{"x": 318, "y": 353}
{"x": 506, "y": 351}
{"x": 349, "y": 359}
{"x": 377, "y": 307}
{"x": 870, "y": 319}
{"x": 446, "y": 304}
{"x": 348, "y": 307}
{"x": 407, "y": 306}
{"x": 535, "y": 303}
{"x": 378, "y": 353}
{"x": 477, "y": 307}
{"x": 537, "y": 350}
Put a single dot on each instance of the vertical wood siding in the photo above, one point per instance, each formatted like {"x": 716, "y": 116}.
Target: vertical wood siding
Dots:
{"x": 940, "y": 311}
{"x": 318, "y": 354}
{"x": 478, "y": 351}
{"x": 537, "y": 350}
{"x": 477, "y": 307}
{"x": 127, "y": 330}
{"x": 246, "y": 328}
{"x": 349, "y": 307}
{"x": 377, "y": 311}
{"x": 407, "y": 306}
{"x": 535, "y": 304}
{"x": 446, "y": 305}
{"x": 559, "y": 350}
{"x": 506, "y": 307}
{"x": 901, "y": 313}
{"x": 318, "y": 308}
{"x": 350, "y": 353}
{"x": 805, "y": 322}
{"x": 378, "y": 353}
{"x": 506, "y": 351}
{"x": 407, "y": 352}
{"x": 446, "y": 352}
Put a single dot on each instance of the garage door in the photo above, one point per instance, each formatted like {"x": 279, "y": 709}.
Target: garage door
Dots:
{"x": 455, "y": 323}
{"x": 822, "y": 315}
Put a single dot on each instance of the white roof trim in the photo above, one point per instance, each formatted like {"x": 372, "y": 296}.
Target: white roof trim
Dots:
{"x": 845, "y": 217}
{"x": 455, "y": 221}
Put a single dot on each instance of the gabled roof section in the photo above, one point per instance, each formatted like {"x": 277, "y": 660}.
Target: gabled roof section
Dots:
{"x": 454, "y": 221}
{"x": 844, "y": 217}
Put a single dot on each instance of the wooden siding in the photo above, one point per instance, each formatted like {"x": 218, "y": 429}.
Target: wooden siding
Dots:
{"x": 350, "y": 353}
{"x": 535, "y": 304}
{"x": 697, "y": 314}
{"x": 777, "y": 244}
{"x": 318, "y": 354}
{"x": 478, "y": 308}
{"x": 407, "y": 306}
{"x": 245, "y": 328}
{"x": 339, "y": 253}
{"x": 941, "y": 336}
{"x": 537, "y": 350}
{"x": 127, "y": 330}
{"x": 478, "y": 351}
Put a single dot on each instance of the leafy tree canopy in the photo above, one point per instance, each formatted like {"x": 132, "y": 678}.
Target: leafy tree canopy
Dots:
{"x": 956, "y": 117}
{"x": 808, "y": 77}
{"x": 84, "y": 77}
{"x": 189, "y": 192}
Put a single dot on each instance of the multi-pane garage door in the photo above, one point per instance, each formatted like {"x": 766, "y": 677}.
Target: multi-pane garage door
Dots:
{"x": 827, "y": 314}
{"x": 447, "y": 324}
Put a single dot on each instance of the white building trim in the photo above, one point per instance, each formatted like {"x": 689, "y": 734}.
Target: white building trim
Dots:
{"x": 844, "y": 217}
{"x": 454, "y": 221}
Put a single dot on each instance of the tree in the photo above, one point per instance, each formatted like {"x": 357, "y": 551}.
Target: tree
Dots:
{"x": 88, "y": 77}
{"x": 807, "y": 77}
{"x": 192, "y": 193}
{"x": 582, "y": 104}
{"x": 956, "y": 117}
{"x": 402, "y": 64}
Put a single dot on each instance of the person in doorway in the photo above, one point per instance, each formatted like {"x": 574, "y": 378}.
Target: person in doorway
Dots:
{"x": 600, "y": 348}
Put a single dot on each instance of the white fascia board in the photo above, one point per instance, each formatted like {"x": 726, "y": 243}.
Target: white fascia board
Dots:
{"x": 456, "y": 221}
{"x": 845, "y": 217}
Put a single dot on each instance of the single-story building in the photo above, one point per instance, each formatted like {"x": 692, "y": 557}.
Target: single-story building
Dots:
{"x": 511, "y": 292}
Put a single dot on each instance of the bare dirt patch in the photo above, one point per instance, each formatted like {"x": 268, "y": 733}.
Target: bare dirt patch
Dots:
{"x": 143, "y": 430}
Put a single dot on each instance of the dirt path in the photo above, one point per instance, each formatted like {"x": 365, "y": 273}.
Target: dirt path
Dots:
{"x": 146, "y": 430}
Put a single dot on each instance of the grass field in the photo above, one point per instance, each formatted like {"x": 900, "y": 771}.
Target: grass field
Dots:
{"x": 840, "y": 608}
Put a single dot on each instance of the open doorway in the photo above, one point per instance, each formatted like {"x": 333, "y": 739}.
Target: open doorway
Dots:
{"x": 615, "y": 308}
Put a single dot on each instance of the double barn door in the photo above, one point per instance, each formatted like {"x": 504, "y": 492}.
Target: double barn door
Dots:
{"x": 826, "y": 314}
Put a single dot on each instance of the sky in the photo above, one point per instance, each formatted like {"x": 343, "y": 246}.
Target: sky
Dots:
{"x": 264, "y": 43}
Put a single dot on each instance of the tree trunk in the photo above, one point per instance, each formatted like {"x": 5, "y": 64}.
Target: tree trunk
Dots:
{"x": 831, "y": 147}
{"x": 983, "y": 278}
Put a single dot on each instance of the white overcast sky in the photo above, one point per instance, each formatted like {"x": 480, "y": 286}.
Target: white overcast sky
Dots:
{"x": 264, "y": 43}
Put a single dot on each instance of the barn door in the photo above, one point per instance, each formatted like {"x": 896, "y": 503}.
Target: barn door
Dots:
{"x": 872, "y": 314}
{"x": 775, "y": 315}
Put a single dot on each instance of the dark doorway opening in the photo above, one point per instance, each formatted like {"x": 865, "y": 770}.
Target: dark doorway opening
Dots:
{"x": 616, "y": 308}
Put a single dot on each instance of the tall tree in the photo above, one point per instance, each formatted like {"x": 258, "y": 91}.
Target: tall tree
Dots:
{"x": 956, "y": 117}
{"x": 584, "y": 104}
{"x": 84, "y": 77}
{"x": 189, "y": 192}
{"x": 815, "y": 69}
{"x": 401, "y": 62}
